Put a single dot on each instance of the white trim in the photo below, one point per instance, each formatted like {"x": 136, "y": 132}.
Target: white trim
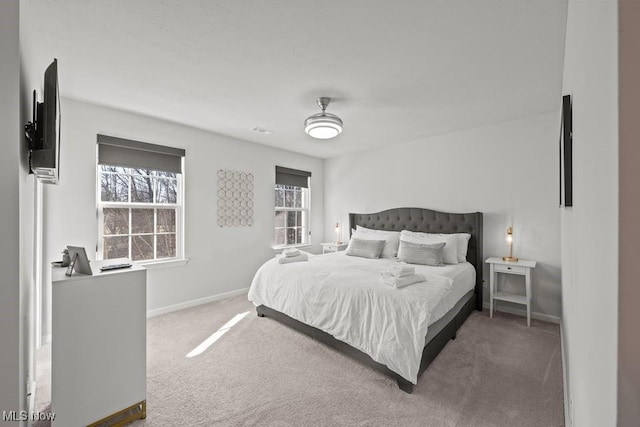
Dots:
{"x": 31, "y": 401}
{"x": 178, "y": 206}
{"x": 31, "y": 396}
{"x": 46, "y": 339}
{"x": 180, "y": 219}
{"x": 37, "y": 266}
{"x": 568, "y": 419}
{"x": 279, "y": 249}
{"x": 152, "y": 265}
{"x": 523, "y": 312}
{"x": 195, "y": 302}
{"x": 306, "y": 215}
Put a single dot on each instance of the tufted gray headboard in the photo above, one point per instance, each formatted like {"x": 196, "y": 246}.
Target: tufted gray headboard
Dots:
{"x": 429, "y": 221}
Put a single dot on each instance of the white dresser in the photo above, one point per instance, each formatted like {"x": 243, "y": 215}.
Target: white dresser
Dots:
{"x": 98, "y": 349}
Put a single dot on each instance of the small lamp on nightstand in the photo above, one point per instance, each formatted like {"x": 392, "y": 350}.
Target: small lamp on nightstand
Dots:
{"x": 338, "y": 233}
{"x": 510, "y": 258}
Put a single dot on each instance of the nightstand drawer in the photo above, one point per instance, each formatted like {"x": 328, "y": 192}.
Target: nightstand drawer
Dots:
{"x": 513, "y": 269}
{"x": 333, "y": 247}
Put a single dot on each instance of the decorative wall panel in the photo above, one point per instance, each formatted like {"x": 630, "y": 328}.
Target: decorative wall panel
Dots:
{"x": 235, "y": 198}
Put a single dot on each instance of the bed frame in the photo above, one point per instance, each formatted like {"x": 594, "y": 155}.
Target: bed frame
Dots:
{"x": 414, "y": 219}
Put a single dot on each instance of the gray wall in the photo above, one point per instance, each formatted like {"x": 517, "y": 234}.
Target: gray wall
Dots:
{"x": 11, "y": 368}
{"x": 17, "y": 212}
{"x": 508, "y": 171}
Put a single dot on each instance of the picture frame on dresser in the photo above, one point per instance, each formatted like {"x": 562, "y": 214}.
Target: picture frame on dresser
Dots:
{"x": 79, "y": 261}
{"x": 566, "y": 153}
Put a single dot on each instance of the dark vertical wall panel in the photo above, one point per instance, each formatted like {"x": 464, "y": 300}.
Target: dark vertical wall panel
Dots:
{"x": 629, "y": 228}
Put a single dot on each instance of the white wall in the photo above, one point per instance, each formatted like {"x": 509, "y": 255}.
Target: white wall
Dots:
{"x": 11, "y": 367}
{"x": 508, "y": 171}
{"x": 220, "y": 259}
{"x": 590, "y": 227}
{"x": 31, "y": 77}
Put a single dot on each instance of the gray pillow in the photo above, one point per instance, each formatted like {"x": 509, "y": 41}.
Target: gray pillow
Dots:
{"x": 421, "y": 253}
{"x": 365, "y": 248}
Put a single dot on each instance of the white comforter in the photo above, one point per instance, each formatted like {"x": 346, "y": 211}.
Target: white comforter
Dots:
{"x": 343, "y": 296}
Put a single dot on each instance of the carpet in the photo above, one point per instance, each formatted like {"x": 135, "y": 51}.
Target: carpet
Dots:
{"x": 497, "y": 372}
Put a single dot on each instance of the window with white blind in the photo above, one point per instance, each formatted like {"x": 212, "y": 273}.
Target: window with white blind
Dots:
{"x": 292, "y": 207}
{"x": 140, "y": 200}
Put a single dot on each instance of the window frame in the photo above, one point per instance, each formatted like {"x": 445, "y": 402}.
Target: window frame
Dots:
{"x": 178, "y": 206}
{"x": 306, "y": 215}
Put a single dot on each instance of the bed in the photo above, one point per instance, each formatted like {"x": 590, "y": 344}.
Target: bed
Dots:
{"x": 300, "y": 296}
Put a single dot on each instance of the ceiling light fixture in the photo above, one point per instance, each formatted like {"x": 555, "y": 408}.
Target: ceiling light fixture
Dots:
{"x": 323, "y": 125}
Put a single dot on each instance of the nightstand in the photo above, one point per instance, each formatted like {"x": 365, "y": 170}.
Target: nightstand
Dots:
{"x": 521, "y": 267}
{"x": 333, "y": 247}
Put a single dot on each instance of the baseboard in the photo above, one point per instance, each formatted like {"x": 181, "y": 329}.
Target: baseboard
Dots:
{"x": 568, "y": 418}
{"x": 194, "y": 302}
{"x": 31, "y": 401}
{"x": 523, "y": 312}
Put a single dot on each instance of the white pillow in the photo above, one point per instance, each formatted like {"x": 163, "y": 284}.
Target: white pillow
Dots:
{"x": 450, "y": 251}
{"x": 391, "y": 238}
{"x": 463, "y": 245}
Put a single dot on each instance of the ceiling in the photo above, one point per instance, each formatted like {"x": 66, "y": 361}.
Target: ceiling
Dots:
{"x": 397, "y": 71}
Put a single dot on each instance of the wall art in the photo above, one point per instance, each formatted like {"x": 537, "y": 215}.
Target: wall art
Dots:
{"x": 235, "y": 198}
{"x": 566, "y": 153}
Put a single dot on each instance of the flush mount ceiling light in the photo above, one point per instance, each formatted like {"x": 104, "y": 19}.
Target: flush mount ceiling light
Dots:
{"x": 323, "y": 125}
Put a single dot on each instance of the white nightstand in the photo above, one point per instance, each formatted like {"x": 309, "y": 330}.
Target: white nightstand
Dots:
{"x": 333, "y": 247}
{"x": 522, "y": 267}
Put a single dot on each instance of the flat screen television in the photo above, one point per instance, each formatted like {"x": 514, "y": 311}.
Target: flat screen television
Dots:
{"x": 43, "y": 134}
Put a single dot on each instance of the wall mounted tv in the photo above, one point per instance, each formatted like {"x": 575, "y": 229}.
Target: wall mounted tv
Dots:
{"x": 43, "y": 134}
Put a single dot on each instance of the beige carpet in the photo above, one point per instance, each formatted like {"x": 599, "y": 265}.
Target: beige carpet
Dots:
{"x": 497, "y": 372}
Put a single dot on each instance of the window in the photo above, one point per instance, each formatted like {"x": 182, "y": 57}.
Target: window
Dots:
{"x": 292, "y": 209}
{"x": 292, "y": 215}
{"x": 140, "y": 209}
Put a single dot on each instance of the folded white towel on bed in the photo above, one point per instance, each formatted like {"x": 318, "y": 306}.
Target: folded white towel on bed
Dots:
{"x": 401, "y": 270}
{"x": 285, "y": 259}
{"x": 291, "y": 253}
{"x": 399, "y": 282}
